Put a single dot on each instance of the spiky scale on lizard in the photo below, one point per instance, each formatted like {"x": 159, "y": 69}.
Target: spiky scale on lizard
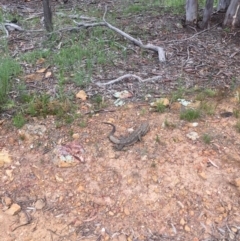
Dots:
{"x": 132, "y": 138}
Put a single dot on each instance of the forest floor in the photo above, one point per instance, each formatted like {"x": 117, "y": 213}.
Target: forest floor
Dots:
{"x": 180, "y": 182}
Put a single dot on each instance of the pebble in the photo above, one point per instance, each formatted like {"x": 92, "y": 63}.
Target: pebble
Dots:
{"x": 13, "y": 210}
{"x": 39, "y": 204}
{"x": 187, "y": 228}
{"x": 7, "y": 201}
{"x": 193, "y": 135}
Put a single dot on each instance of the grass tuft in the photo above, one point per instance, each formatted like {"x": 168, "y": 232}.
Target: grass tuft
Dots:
{"x": 207, "y": 138}
{"x": 190, "y": 114}
{"x": 19, "y": 121}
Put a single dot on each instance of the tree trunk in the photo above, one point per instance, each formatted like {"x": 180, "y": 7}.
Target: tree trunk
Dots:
{"x": 191, "y": 11}
{"x": 47, "y": 16}
{"x": 223, "y": 5}
{"x": 232, "y": 16}
{"x": 207, "y": 13}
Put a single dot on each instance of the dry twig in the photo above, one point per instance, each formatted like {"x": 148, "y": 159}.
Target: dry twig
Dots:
{"x": 155, "y": 78}
{"x": 159, "y": 50}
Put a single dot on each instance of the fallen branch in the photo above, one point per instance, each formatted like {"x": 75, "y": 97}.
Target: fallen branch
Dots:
{"x": 155, "y": 78}
{"x": 87, "y": 25}
{"x": 6, "y": 31}
{"x": 13, "y": 26}
{"x": 76, "y": 16}
{"x": 159, "y": 50}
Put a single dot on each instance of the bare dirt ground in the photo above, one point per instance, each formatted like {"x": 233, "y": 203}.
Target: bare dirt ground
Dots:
{"x": 166, "y": 187}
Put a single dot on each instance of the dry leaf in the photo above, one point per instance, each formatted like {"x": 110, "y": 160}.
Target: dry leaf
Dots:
{"x": 10, "y": 174}
{"x": 4, "y": 158}
{"x": 33, "y": 77}
{"x": 41, "y": 70}
{"x": 40, "y": 61}
{"x": 81, "y": 95}
{"x": 48, "y": 74}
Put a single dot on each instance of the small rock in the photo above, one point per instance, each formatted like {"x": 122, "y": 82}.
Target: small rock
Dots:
{"x": 202, "y": 175}
{"x": 13, "y": 210}
{"x": 182, "y": 221}
{"x": 126, "y": 211}
{"x": 76, "y": 136}
{"x": 221, "y": 209}
{"x": 10, "y": 174}
{"x": 184, "y": 102}
{"x": 4, "y": 158}
{"x": 194, "y": 124}
{"x": 122, "y": 94}
{"x": 175, "y": 106}
{"x": 106, "y": 237}
{"x": 7, "y": 201}
{"x": 80, "y": 188}
{"x": 193, "y": 135}
{"x": 39, "y": 204}
{"x": 110, "y": 213}
{"x": 163, "y": 101}
{"x": 235, "y": 230}
{"x": 81, "y": 95}
{"x": 58, "y": 178}
{"x": 155, "y": 178}
{"x": 187, "y": 228}
{"x": 236, "y": 182}
{"x": 122, "y": 237}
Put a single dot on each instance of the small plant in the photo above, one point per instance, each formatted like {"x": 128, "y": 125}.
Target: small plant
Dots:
{"x": 178, "y": 94}
{"x": 69, "y": 119}
{"x": 169, "y": 124}
{"x": 157, "y": 139}
{"x": 190, "y": 114}
{"x": 237, "y": 126}
{"x": 210, "y": 92}
{"x": 207, "y": 138}
{"x": 200, "y": 96}
{"x": 236, "y": 113}
{"x": 160, "y": 107}
{"x": 98, "y": 101}
{"x": 208, "y": 108}
{"x": 19, "y": 121}
{"x": 8, "y": 68}
{"x": 143, "y": 111}
{"x": 82, "y": 124}
{"x": 153, "y": 165}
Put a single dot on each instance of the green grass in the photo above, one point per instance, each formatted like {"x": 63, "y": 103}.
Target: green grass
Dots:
{"x": 207, "y": 93}
{"x": 207, "y": 138}
{"x": 19, "y": 121}
{"x": 98, "y": 102}
{"x": 169, "y": 124}
{"x": 32, "y": 57}
{"x": 190, "y": 114}
{"x": 160, "y": 107}
{"x": 207, "y": 107}
{"x": 236, "y": 113}
{"x": 8, "y": 69}
{"x": 237, "y": 126}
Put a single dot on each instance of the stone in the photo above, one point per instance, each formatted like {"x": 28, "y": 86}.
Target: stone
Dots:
{"x": 187, "y": 228}
{"x": 236, "y": 182}
{"x": 14, "y": 209}
{"x": 126, "y": 211}
{"x": 202, "y": 175}
{"x": 122, "y": 237}
{"x": 39, "y": 204}
{"x": 193, "y": 135}
{"x": 182, "y": 221}
{"x": 7, "y": 201}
